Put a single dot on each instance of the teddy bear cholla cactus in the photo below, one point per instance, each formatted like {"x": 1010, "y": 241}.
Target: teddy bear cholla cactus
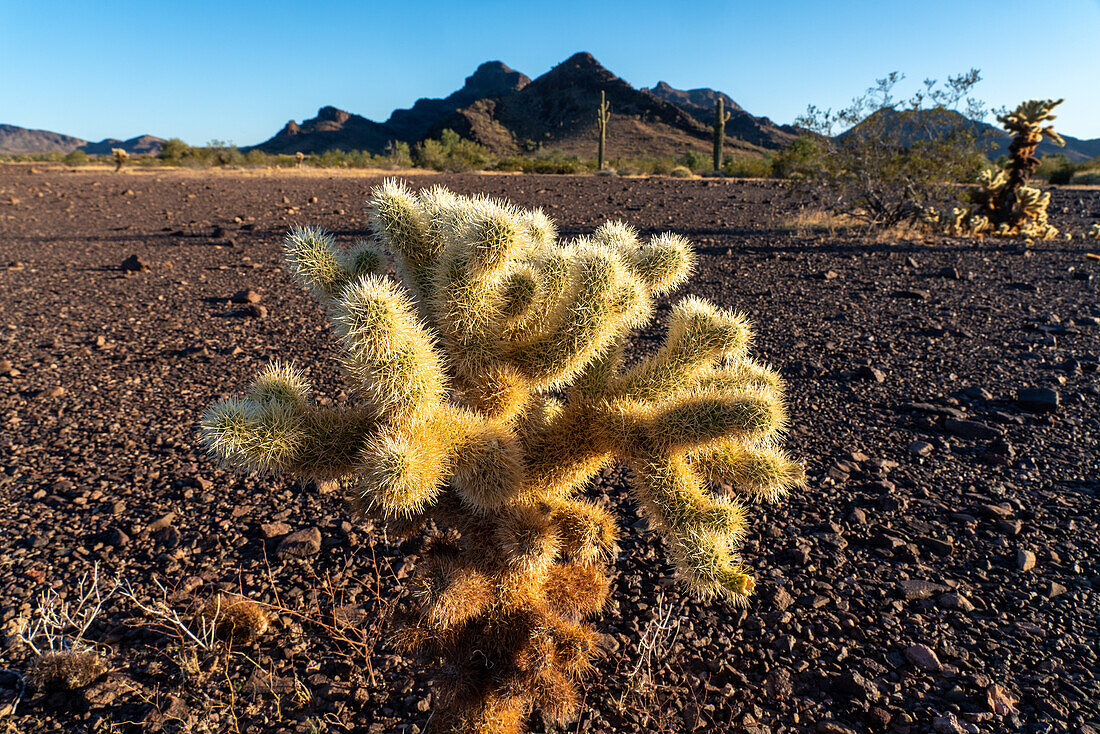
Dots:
{"x": 490, "y": 389}
{"x": 1003, "y": 204}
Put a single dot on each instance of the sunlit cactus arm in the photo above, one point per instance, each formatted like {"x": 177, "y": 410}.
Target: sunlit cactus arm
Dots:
{"x": 398, "y": 218}
{"x": 699, "y": 334}
{"x": 702, "y": 530}
{"x": 302, "y": 441}
{"x": 760, "y": 472}
{"x": 389, "y": 355}
{"x": 323, "y": 268}
{"x": 602, "y": 296}
{"x": 663, "y": 263}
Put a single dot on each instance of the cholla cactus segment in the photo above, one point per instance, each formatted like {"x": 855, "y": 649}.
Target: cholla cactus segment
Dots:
{"x": 1094, "y": 231}
{"x": 488, "y": 389}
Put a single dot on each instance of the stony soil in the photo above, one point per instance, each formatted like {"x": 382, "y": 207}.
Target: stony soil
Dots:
{"x": 945, "y": 550}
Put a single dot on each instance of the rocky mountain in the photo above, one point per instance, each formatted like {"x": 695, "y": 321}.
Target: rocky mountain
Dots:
{"x": 700, "y": 103}
{"x": 336, "y": 129}
{"x": 509, "y": 113}
{"x": 15, "y": 140}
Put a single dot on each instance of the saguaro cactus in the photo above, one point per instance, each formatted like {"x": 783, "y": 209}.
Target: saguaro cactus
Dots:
{"x": 489, "y": 389}
{"x": 721, "y": 117}
{"x": 603, "y": 114}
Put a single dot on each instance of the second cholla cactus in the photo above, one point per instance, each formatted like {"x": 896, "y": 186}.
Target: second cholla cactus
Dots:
{"x": 489, "y": 389}
{"x": 1003, "y": 204}
{"x": 121, "y": 156}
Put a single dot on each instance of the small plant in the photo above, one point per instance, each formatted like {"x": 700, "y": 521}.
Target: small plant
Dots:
{"x": 893, "y": 159}
{"x": 721, "y": 117}
{"x": 56, "y": 632}
{"x": 76, "y": 158}
{"x": 235, "y": 619}
{"x": 490, "y": 389}
{"x": 603, "y": 114}
{"x": 299, "y": 158}
{"x": 121, "y": 156}
{"x": 681, "y": 172}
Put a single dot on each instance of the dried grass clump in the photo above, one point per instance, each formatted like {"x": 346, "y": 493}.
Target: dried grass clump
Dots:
{"x": 67, "y": 670}
{"x": 234, "y": 619}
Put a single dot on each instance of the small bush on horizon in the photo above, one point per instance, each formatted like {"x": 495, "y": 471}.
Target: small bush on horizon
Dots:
{"x": 76, "y": 158}
{"x": 452, "y": 153}
{"x": 893, "y": 159}
{"x": 745, "y": 167}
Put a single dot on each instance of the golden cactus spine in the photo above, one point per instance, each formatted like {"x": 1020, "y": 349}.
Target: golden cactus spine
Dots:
{"x": 489, "y": 389}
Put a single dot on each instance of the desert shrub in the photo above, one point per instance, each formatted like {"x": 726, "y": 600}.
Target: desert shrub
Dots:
{"x": 1055, "y": 169}
{"x": 76, "y": 158}
{"x": 800, "y": 159}
{"x": 745, "y": 167}
{"x": 680, "y": 172}
{"x": 490, "y": 389}
{"x": 173, "y": 151}
{"x": 546, "y": 162}
{"x": 893, "y": 159}
{"x": 451, "y": 153}
{"x": 696, "y": 161}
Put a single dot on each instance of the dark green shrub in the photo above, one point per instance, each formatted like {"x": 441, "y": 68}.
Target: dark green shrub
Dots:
{"x": 173, "y": 151}
{"x": 76, "y": 158}
{"x": 745, "y": 167}
{"x": 451, "y": 153}
{"x": 696, "y": 161}
{"x": 896, "y": 159}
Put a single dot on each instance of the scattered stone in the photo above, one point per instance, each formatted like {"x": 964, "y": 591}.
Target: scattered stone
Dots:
{"x": 971, "y": 429}
{"x": 923, "y": 657}
{"x": 914, "y": 589}
{"x": 977, "y": 393}
{"x": 781, "y": 599}
{"x": 134, "y": 264}
{"x": 271, "y": 530}
{"x": 870, "y": 373}
{"x": 947, "y": 725}
{"x": 955, "y": 600}
{"x": 1056, "y": 589}
{"x": 1038, "y": 400}
{"x": 255, "y": 312}
{"x": 920, "y": 448}
{"x": 856, "y": 686}
{"x": 915, "y": 293}
{"x": 942, "y": 548}
{"x": 161, "y": 522}
{"x": 245, "y": 296}
{"x": 301, "y": 544}
{"x": 951, "y": 273}
{"x": 1025, "y": 560}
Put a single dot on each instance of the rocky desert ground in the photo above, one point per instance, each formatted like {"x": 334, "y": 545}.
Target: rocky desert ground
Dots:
{"x": 938, "y": 573}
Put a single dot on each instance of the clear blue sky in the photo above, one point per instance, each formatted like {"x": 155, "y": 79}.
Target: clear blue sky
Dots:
{"x": 238, "y": 70}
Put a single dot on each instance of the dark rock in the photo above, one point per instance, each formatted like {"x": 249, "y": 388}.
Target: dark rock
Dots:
{"x": 301, "y": 544}
{"x": 134, "y": 264}
{"x": 923, "y": 657}
{"x": 920, "y": 448}
{"x": 913, "y": 589}
{"x": 245, "y": 296}
{"x": 870, "y": 373}
{"x": 971, "y": 429}
{"x": 1038, "y": 400}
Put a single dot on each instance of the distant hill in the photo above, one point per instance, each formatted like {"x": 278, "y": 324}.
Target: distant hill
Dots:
{"x": 141, "y": 145}
{"x": 20, "y": 140}
{"x": 1076, "y": 150}
{"x": 700, "y": 103}
{"x": 509, "y": 113}
{"x": 16, "y": 140}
